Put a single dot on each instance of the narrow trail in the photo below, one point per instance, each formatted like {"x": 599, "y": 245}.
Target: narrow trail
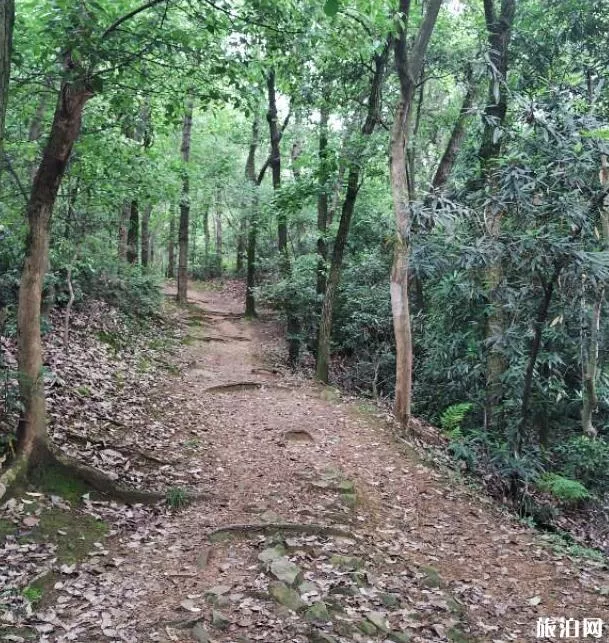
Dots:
{"x": 423, "y": 558}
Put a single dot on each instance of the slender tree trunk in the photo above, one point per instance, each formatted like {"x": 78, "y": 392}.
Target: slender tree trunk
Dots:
{"x": 540, "y": 322}
{"x": 409, "y": 63}
{"x": 133, "y": 232}
{"x": 250, "y": 175}
{"x": 64, "y": 132}
{"x": 241, "y": 245}
{"x": 206, "y": 236}
{"x": 171, "y": 248}
{"x": 185, "y": 204}
{"x": 322, "y": 364}
{"x": 7, "y": 21}
{"x": 123, "y": 227}
{"x": 322, "y": 201}
{"x": 145, "y": 259}
{"x": 293, "y": 324}
{"x": 218, "y": 226}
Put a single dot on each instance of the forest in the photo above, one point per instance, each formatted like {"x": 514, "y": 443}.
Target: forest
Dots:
{"x": 411, "y": 196}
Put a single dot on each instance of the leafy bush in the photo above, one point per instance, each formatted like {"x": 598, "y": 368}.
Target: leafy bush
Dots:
{"x": 586, "y": 460}
{"x": 563, "y": 489}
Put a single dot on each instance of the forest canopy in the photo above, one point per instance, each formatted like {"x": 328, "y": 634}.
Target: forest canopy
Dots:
{"x": 419, "y": 188}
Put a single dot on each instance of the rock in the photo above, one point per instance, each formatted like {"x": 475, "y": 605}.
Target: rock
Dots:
{"x": 219, "y": 620}
{"x": 286, "y": 571}
{"x": 398, "y": 637}
{"x": 286, "y": 596}
{"x": 432, "y": 578}
{"x": 270, "y": 554}
{"x": 317, "y": 636}
{"x": 308, "y": 588}
{"x": 199, "y": 634}
{"x": 390, "y": 601}
{"x": 349, "y": 563}
{"x": 270, "y": 516}
{"x": 318, "y": 613}
{"x": 344, "y": 590}
{"x": 379, "y": 620}
{"x": 367, "y": 628}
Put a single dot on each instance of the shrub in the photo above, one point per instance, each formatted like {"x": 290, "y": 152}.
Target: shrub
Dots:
{"x": 586, "y": 460}
{"x": 563, "y": 489}
{"x": 452, "y": 418}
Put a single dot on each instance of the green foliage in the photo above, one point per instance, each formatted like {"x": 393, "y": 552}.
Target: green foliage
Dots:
{"x": 33, "y": 594}
{"x": 177, "y": 498}
{"x": 586, "y": 460}
{"x": 563, "y": 489}
{"x": 452, "y": 418}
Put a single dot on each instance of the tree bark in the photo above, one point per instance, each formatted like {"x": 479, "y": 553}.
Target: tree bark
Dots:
{"x": 185, "y": 204}
{"x": 133, "y": 231}
{"x": 409, "y": 63}
{"x": 322, "y": 363}
{"x": 171, "y": 248}
{"x": 218, "y": 227}
{"x": 7, "y": 21}
{"x": 32, "y": 434}
{"x": 250, "y": 175}
{"x": 322, "y": 200}
{"x": 499, "y": 27}
{"x": 241, "y": 245}
{"x": 293, "y": 324}
{"x": 145, "y": 256}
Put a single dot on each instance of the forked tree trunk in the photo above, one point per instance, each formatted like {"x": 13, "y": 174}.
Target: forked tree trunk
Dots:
{"x": 32, "y": 435}
{"x": 293, "y": 324}
{"x": 185, "y": 204}
{"x": 145, "y": 257}
{"x": 250, "y": 175}
{"x": 133, "y": 232}
{"x": 409, "y": 63}
{"x": 322, "y": 363}
{"x": 171, "y": 248}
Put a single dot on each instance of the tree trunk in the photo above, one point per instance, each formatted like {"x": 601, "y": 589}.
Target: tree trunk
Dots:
{"x": 206, "y": 237}
{"x": 241, "y": 245}
{"x": 7, "y": 21}
{"x": 145, "y": 258}
{"x": 218, "y": 226}
{"x": 32, "y": 436}
{"x": 171, "y": 248}
{"x": 133, "y": 232}
{"x": 185, "y": 204}
{"x": 322, "y": 363}
{"x": 123, "y": 227}
{"x": 250, "y": 175}
{"x": 409, "y": 64}
{"x": 590, "y": 344}
{"x": 322, "y": 201}
{"x": 293, "y": 324}
{"x": 499, "y": 29}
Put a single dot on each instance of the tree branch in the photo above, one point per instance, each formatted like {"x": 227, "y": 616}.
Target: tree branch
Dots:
{"x": 117, "y": 23}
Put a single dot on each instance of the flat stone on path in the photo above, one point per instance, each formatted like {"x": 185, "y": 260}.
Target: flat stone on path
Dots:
{"x": 379, "y": 620}
{"x": 286, "y": 596}
{"x": 271, "y": 554}
{"x": 286, "y": 571}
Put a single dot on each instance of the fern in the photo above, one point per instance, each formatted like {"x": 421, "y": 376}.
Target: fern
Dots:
{"x": 452, "y": 418}
{"x": 563, "y": 489}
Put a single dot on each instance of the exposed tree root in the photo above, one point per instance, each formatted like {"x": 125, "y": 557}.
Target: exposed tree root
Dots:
{"x": 105, "y": 485}
{"x": 119, "y": 447}
{"x": 17, "y": 474}
{"x": 221, "y": 338}
{"x": 242, "y": 386}
{"x": 271, "y": 527}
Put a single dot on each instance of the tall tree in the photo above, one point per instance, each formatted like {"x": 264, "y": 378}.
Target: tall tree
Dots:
{"x": 409, "y": 61}
{"x": 185, "y": 203}
{"x": 7, "y": 21}
{"x": 353, "y": 186}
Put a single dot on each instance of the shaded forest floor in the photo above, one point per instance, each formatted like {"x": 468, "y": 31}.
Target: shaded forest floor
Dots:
{"x": 339, "y": 530}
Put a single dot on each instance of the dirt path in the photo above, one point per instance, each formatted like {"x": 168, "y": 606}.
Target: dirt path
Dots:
{"x": 421, "y": 557}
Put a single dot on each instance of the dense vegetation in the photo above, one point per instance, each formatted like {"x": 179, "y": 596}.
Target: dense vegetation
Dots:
{"x": 421, "y": 188}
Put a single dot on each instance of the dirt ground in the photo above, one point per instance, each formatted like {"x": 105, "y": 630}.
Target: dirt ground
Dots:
{"x": 338, "y": 530}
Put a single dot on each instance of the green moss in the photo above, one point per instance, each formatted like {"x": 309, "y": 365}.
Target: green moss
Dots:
{"x": 431, "y": 578}
{"x": 33, "y": 593}
{"x": 54, "y": 481}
